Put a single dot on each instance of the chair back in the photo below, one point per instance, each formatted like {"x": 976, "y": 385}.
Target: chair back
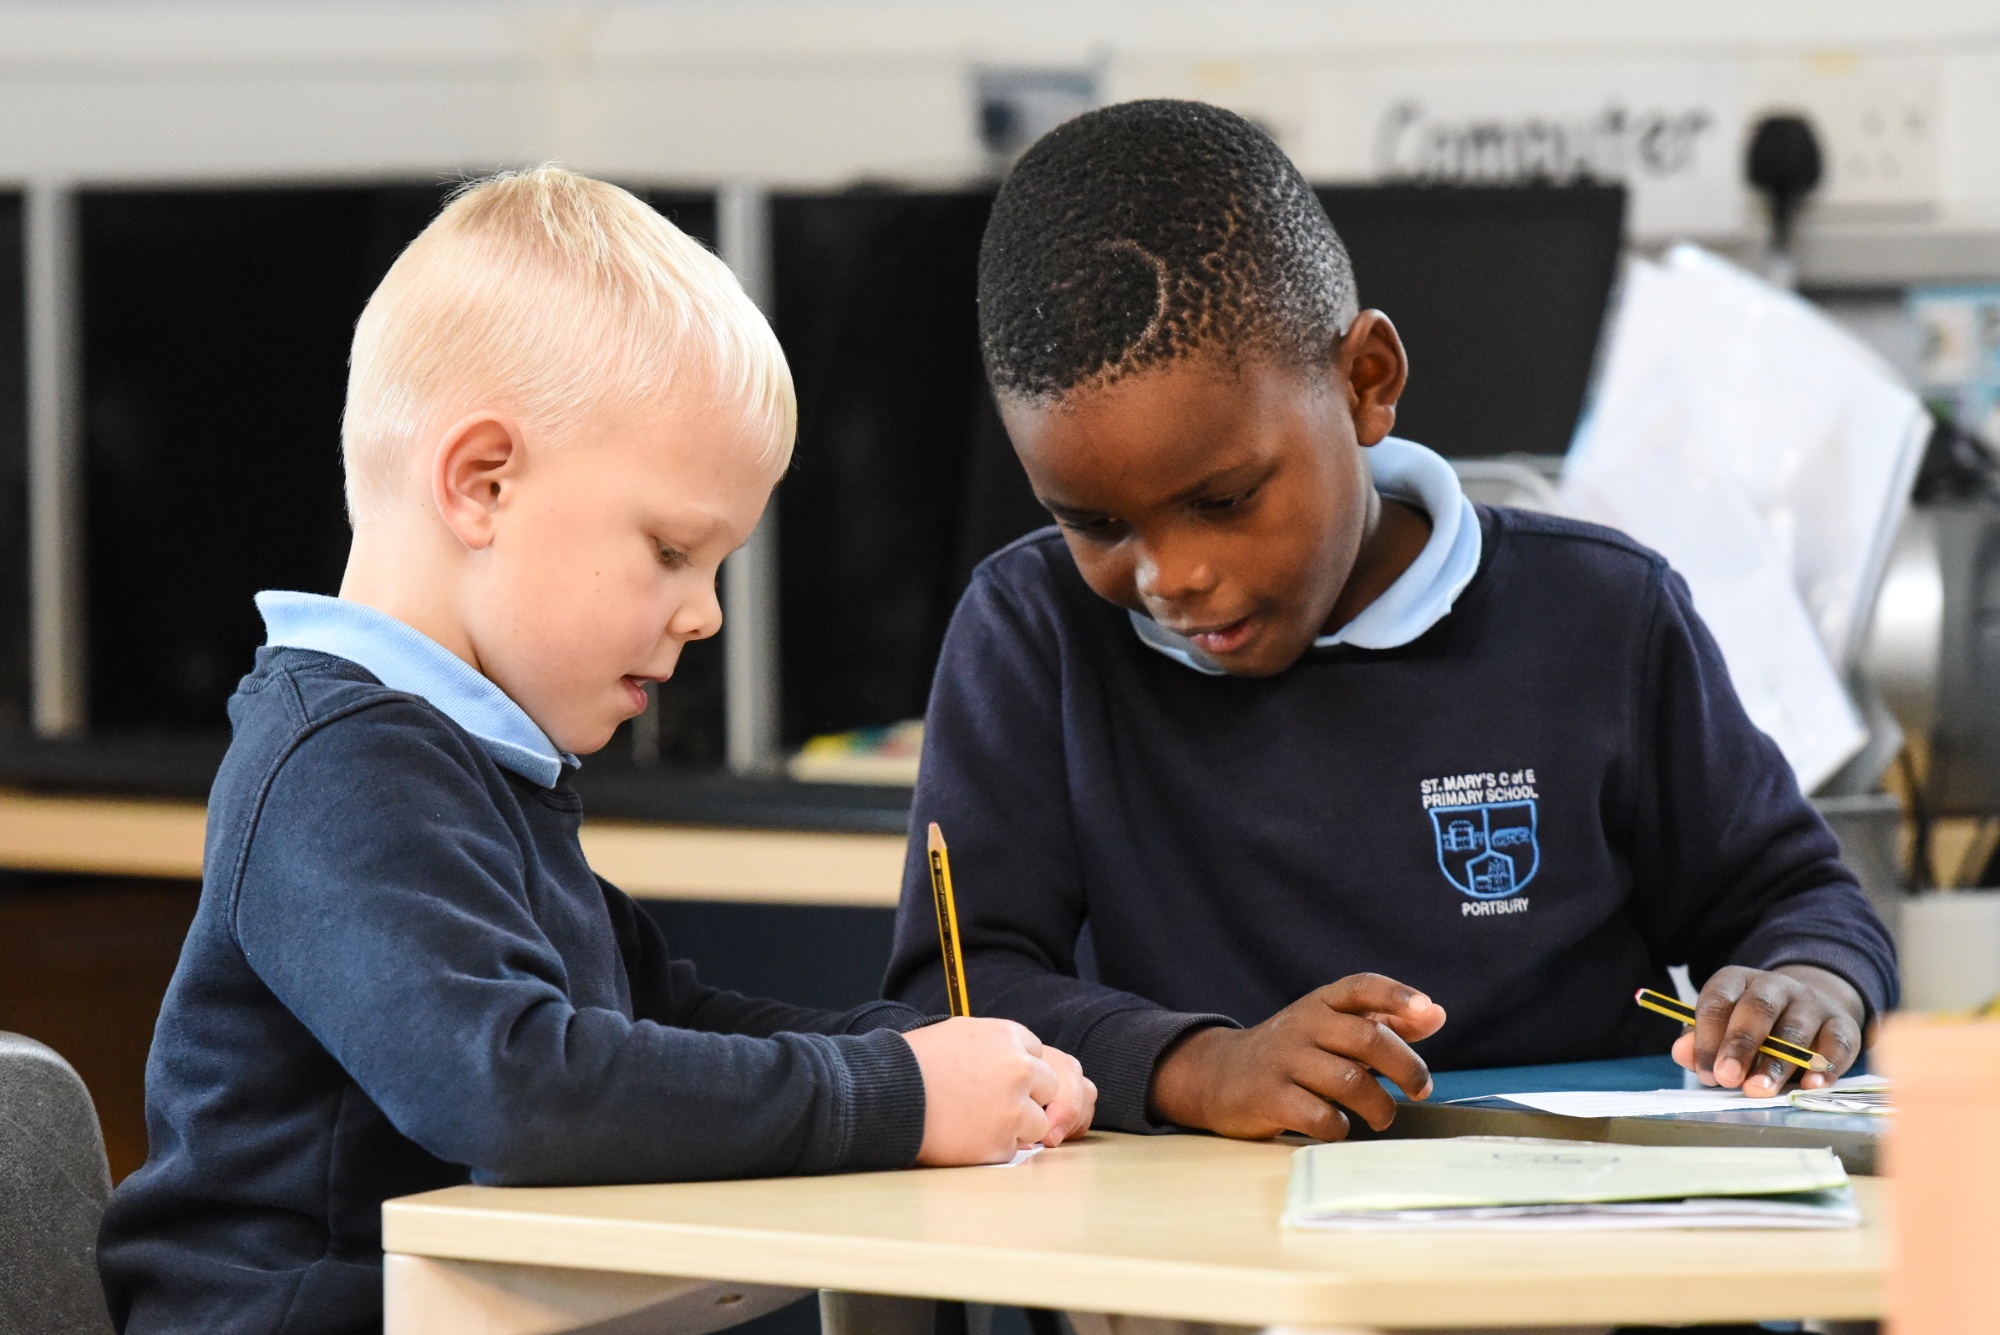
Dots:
{"x": 53, "y": 1183}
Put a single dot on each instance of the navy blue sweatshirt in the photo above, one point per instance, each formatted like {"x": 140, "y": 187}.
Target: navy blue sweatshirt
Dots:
{"x": 401, "y": 976}
{"x": 1529, "y": 810}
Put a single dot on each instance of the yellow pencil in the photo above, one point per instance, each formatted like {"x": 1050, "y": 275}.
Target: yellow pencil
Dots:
{"x": 947, "y": 916}
{"x": 1675, "y": 1009}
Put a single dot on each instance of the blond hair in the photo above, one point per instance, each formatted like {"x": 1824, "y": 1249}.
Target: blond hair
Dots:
{"x": 549, "y": 295}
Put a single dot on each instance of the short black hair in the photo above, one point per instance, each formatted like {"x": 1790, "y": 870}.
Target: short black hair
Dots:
{"x": 1141, "y": 233}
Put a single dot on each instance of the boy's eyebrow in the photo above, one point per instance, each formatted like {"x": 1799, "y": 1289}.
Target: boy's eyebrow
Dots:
{"x": 1061, "y": 511}
{"x": 692, "y": 525}
{"x": 1227, "y": 474}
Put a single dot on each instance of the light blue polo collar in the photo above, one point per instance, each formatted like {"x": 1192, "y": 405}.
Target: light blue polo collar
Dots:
{"x": 1421, "y": 595}
{"x": 405, "y": 659}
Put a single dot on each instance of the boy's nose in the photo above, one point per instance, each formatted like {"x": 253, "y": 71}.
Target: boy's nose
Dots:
{"x": 1166, "y": 577}
{"x": 697, "y": 620}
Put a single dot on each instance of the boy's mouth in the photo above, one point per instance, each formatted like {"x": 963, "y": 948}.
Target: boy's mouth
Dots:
{"x": 1217, "y": 641}
{"x": 635, "y": 691}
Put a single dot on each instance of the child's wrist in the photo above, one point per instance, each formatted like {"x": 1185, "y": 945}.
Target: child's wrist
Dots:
{"x": 1182, "y": 1078}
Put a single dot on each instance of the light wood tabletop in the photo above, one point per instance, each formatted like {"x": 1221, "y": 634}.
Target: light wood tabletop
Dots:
{"x": 124, "y": 836}
{"x": 1177, "y": 1227}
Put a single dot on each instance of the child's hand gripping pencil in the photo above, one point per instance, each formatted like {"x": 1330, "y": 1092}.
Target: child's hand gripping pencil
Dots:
{"x": 991, "y": 1087}
{"x": 1794, "y": 1054}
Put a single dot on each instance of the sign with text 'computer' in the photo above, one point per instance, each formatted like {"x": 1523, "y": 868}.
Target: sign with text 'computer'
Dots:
{"x": 1671, "y": 133}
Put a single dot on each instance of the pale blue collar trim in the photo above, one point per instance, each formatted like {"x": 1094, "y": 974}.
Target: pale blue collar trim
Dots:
{"x": 1421, "y": 595}
{"x": 405, "y": 659}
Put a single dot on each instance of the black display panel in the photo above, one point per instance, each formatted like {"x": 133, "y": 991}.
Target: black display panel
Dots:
{"x": 215, "y": 330}
{"x": 13, "y": 473}
{"x": 1499, "y": 293}
{"x": 903, "y": 478}
{"x": 216, "y": 326}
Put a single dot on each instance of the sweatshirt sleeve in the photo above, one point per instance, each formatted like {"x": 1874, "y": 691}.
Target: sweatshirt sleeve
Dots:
{"x": 667, "y": 990}
{"x": 413, "y": 958}
{"x": 1734, "y": 866}
{"x": 993, "y": 776}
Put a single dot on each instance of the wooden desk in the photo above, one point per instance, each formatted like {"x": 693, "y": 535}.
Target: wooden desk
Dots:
{"x": 1181, "y": 1227}
{"x": 135, "y": 837}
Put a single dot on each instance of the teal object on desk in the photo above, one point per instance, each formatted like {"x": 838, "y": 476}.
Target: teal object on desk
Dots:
{"x": 1635, "y": 1073}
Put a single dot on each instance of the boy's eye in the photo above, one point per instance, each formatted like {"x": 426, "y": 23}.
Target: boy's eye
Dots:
{"x": 672, "y": 557}
{"x": 1224, "y": 504}
{"x": 1098, "y": 528}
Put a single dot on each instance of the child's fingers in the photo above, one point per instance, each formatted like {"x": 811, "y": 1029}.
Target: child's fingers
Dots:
{"x": 1086, "y": 1111}
{"x": 1083, "y": 1106}
{"x": 1839, "y": 1041}
{"x": 1375, "y": 1046}
{"x": 1031, "y": 1128}
{"x": 1342, "y": 1081}
{"x": 1683, "y": 1052}
{"x": 1756, "y": 1015}
{"x": 1072, "y": 1108}
{"x": 1804, "y": 1024}
{"x": 1059, "y": 1119}
{"x": 1065, "y": 1120}
{"x": 1713, "y": 1011}
{"x": 1043, "y": 1082}
{"x": 1371, "y": 993}
{"x": 1299, "y": 1109}
{"x": 1412, "y": 1026}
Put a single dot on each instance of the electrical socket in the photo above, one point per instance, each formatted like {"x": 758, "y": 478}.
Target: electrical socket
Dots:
{"x": 1877, "y": 120}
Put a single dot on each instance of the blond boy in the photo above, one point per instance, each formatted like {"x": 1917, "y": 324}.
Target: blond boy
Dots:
{"x": 562, "y": 414}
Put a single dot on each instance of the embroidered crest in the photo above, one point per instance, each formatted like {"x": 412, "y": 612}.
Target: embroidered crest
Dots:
{"x": 1488, "y": 850}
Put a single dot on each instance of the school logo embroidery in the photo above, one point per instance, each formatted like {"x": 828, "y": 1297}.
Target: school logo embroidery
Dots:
{"x": 1484, "y": 827}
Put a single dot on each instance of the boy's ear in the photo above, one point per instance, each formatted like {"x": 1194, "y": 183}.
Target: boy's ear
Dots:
{"x": 476, "y": 460}
{"x": 1374, "y": 367}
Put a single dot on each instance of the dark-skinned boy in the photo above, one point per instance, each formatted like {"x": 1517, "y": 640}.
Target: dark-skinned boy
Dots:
{"x": 1208, "y": 419}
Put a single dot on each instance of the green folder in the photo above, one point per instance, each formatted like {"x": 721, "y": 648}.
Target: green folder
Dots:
{"x": 1504, "y": 1182}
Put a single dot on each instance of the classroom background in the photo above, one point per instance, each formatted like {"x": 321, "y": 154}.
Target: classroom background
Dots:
{"x": 202, "y": 195}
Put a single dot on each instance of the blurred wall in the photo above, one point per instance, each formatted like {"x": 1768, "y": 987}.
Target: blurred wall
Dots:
{"x": 829, "y": 92}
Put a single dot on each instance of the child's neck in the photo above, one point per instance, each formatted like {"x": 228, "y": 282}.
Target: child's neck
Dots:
{"x": 1396, "y": 539}
{"x": 404, "y": 575}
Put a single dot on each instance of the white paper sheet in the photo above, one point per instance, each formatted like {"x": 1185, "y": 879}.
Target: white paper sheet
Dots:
{"x": 1642, "y": 1103}
{"x": 1663, "y": 1102}
{"x": 1020, "y": 1157}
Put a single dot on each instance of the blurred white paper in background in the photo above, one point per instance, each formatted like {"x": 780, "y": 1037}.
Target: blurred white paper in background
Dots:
{"x": 1768, "y": 455}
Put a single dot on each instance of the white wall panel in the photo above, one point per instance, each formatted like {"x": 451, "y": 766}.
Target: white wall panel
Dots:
{"x": 162, "y": 125}
{"x": 801, "y": 126}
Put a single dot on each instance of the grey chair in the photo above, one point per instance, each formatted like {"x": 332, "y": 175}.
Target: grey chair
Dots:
{"x": 53, "y": 1183}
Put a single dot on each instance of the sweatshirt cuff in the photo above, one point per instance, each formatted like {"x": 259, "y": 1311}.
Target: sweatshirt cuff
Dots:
{"x": 885, "y": 1105}
{"x": 1119, "y": 1054}
{"x": 1878, "y": 995}
{"x": 888, "y": 1015}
